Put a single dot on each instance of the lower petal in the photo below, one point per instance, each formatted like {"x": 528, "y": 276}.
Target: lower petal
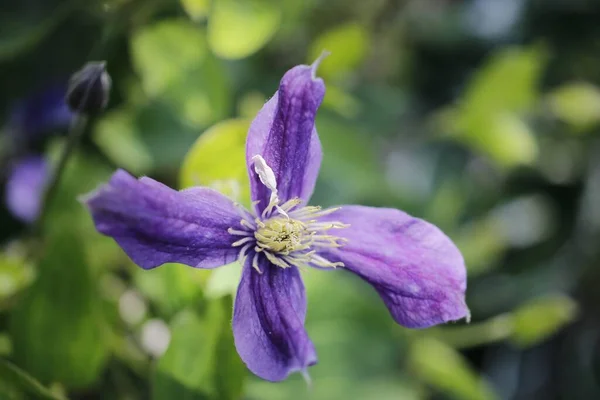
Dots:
{"x": 268, "y": 322}
{"x": 155, "y": 224}
{"x": 415, "y": 267}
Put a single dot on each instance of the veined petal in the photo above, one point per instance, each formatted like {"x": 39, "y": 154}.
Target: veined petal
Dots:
{"x": 25, "y": 188}
{"x": 415, "y": 267}
{"x": 155, "y": 224}
{"x": 284, "y": 134}
{"x": 268, "y": 321}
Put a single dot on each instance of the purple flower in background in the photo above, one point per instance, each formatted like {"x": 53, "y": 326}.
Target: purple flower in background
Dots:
{"x": 25, "y": 187}
{"x": 30, "y": 120}
{"x": 40, "y": 113}
{"x": 415, "y": 268}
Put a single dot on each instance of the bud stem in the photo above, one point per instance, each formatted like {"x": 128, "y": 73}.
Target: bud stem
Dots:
{"x": 76, "y": 130}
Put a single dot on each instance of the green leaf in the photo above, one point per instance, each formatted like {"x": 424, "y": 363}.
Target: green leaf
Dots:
{"x": 15, "y": 274}
{"x": 444, "y": 368}
{"x": 174, "y": 64}
{"x": 58, "y": 328}
{"x": 239, "y": 28}
{"x": 577, "y": 104}
{"x": 196, "y": 9}
{"x": 541, "y": 318}
{"x": 117, "y": 136}
{"x": 348, "y": 44}
{"x": 164, "y": 51}
{"x": 508, "y": 81}
{"x": 16, "y": 384}
{"x": 218, "y": 159}
{"x": 171, "y": 286}
{"x": 488, "y": 118}
{"x": 201, "y": 361}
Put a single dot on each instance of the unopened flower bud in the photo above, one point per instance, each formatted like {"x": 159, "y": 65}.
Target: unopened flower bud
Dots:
{"x": 89, "y": 89}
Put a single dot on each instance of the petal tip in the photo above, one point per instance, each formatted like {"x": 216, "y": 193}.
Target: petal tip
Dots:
{"x": 315, "y": 65}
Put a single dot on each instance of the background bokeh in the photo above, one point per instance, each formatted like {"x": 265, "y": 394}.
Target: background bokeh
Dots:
{"x": 481, "y": 116}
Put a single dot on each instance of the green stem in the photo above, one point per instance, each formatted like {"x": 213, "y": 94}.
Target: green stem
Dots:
{"x": 76, "y": 130}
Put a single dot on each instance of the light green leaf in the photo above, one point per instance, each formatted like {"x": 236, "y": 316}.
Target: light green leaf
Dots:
{"x": 223, "y": 281}
{"x": 196, "y": 9}
{"x": 218, "y": 159}
{"x": 16, "y": 384}
{"x": 117, "y": 135}
{"x": 348, "y": 44}
{"x": 58, "y": 328}
{"x": 171, "y": 286}
{"x": 444, "y": 368}
{"x": 239, "y": 28}
{"x": 201, "y": 361}
{"x": 15, "y": 274}
{"x": 341, "y": 102}
{"x": 577, "y": 104}
{"x": 541, "y": 318}
{"x": 508, "y": 81}
{"x": 165, "y": 51}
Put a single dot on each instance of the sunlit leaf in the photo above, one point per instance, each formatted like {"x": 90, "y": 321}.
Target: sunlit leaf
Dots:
{"x": 348, "y": 44}
{"x": 15, "y": 274}
{"x": 163, "y": 52}
{"x": 445, "y": 369}
{"x": 578, "y": 104}
{"x": 201, "y": 361}
{"x": 174, "y": 64}
{"x": 541, "y": 318}
{"x": 238, "y": 28}
{"x": 117, "y": 136}
{"x": 171, "y": 286}
{"x": 508, "y": 81}
{"x": 223, "y": 281}
{"x": 196, "y": 9}
{"x": 218, "y": 158}
{"x": 342, "y": 102}
{"x": 16, "y": 384}
{"x": 58, "y": 328}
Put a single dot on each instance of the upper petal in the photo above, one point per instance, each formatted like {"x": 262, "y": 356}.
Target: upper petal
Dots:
{"x": 268, "y": 322}
{"x": 155, "y": 224}
{"x": 25, "y": 187}
{"x": 284, "y": 134}
{"x": 415, "y": 267}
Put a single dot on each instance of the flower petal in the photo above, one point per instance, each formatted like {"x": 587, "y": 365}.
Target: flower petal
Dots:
{"x": 284, "y": 134}
{"x": 415, "y": 267}
{"x": 155, "y": 224}
{"x": 268, "y": 322}
{"x": 25, "y": 188}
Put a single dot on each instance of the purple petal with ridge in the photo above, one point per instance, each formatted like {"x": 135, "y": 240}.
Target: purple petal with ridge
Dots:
{"x": 155, "y": 224}
{"x": 268, "y": 322}
{"x": 284, "y": 134}
{"x": 416, "y": 269}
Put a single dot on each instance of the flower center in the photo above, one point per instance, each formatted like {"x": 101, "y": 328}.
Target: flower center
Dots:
{"x": 281, "y": 235}
{"x": 286, "y": 234}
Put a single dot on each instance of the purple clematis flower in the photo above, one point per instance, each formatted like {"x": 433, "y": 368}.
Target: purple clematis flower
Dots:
{"x": 25, "y": 187}
{"x": 416, "y": 269}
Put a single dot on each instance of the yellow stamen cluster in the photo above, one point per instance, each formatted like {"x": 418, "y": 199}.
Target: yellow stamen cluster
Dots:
{"x": 288, "y": 236}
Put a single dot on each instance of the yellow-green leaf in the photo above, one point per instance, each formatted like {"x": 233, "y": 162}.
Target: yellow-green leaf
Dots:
{"x": 239, "y": 28}
{"x": 444, "y": 368}
{"x": 218, "y": 159}
{"x": 117, "y": 136}
{"x": 196, "y": 9}
{"x": 541, "y": 318}
{"x": 577, "y": 104}
{"x": 165, "y": 51}
{"x": 348, "y": 44}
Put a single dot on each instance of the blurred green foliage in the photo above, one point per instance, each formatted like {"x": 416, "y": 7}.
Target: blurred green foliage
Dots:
{"x": 482, "y": 120}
